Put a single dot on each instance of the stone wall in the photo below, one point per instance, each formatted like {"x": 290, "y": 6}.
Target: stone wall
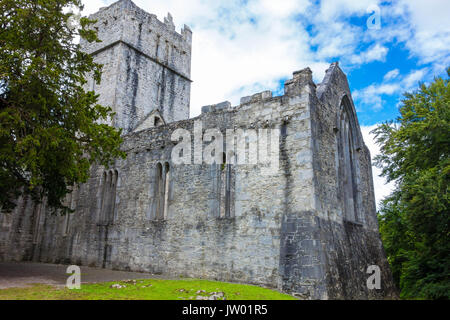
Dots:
{"x": 286, "y": 230}
{"x": 349, "y": 245}
{"x": 290, "y": 230}
{"x": 193, "y": 240}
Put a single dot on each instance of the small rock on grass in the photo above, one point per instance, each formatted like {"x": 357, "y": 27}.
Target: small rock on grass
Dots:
{"x": 218, "y": 294}
{"x": 130, "y": 281}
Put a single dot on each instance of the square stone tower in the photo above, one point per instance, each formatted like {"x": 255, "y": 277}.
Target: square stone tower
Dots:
{"x": 146, "y": 65}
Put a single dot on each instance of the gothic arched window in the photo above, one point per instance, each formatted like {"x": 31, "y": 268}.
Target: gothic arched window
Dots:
{"x": 225, "y": 188}
{"x": 162, "y": 188}
{"x": 166, "y": 189}
{"x": 348, "y": 172}
{"x": 71, "y": 201}
{"x": 108, "y": 203}
{"x": 37, "y": 213}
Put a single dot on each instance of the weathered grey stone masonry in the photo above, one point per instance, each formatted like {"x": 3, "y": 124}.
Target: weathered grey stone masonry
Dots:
{"x": 309, "y": 229}
{"x": 147, "y": 65}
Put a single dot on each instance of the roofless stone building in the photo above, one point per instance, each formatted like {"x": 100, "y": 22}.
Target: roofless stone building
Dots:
{"x": 307, "y": 228}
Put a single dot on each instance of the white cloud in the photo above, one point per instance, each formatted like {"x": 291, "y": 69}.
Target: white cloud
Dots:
{"x": 242, "y": 47}
{"x": 375, "y": 53}
{"x": 412, "y": 79}
{"x": 335, "y": 39}
{"x": 391, "y": 75}
{"x": 372, "y": 95}
{"x": 334, "y": 9}
{"x": 430, "y": 21}
{"x": 92, "y": 6}
{"x": 280, "y": 9}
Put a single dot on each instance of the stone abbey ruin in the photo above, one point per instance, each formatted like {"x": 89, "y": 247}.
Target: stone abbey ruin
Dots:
{"x": 309, "y": 229}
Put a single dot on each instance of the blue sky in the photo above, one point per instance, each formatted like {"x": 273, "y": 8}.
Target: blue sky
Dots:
{"x": 241, "y": 47}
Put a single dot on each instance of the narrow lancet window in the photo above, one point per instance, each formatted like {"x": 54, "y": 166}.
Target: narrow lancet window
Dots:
{"x": 225, "y": 188}
{"x": 6, "y": 219}
{"x": 108, "y": 203}
{"x": 158, "y": 190}
{"x": 37, "y": 222}
{"x": 162, "y": 188}
{"x": 166, "y": 190}
{"x": 71, "y": 201}
{"x": 348, "y": 166}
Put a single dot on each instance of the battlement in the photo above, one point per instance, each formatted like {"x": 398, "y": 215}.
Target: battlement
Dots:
{"x": 124, "y": 22}
{"x": 257, "y": 97}
{"x": 223, "y": 106}
{"x": 146, "y": 65}
{"x": 292, "y": 87}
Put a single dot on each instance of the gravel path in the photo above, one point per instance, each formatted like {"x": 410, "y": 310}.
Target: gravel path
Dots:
{"x": 19, "y": 275}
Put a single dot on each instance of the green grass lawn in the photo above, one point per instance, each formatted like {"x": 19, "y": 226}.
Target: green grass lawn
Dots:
{"x": 150, "y": 289}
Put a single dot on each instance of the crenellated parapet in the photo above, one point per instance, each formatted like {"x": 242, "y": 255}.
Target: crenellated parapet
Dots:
{"x": 292, "y": 87}
{"x": 146, "y": 65}
{"x": 125, "y": 22}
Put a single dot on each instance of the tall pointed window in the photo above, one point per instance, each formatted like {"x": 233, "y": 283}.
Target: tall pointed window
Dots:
{"x": 71, "y": 201}
{"x": 2, "y": 218}
{"x": 37, "y": 213}
{"x": 162, "y": 191}
{"x": 108, "y": 203}
{"x": 166, "y": 189}
{"x": 348, "y": 165}
{"x": 225, "y": 188}
{"x": 5, "y": 219}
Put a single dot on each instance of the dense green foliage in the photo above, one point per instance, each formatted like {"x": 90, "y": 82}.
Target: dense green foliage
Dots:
{"x": 50, "y": 126}
{"x": 415, "y": 218}
{"x": 153, "y": 289}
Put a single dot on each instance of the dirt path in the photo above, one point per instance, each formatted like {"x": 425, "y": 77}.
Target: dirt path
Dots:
{"x": 18, "y": 275}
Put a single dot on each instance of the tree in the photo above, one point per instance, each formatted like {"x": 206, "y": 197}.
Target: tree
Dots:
{"x": 51, "y": 129}
{"x": 415, "y": 218}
